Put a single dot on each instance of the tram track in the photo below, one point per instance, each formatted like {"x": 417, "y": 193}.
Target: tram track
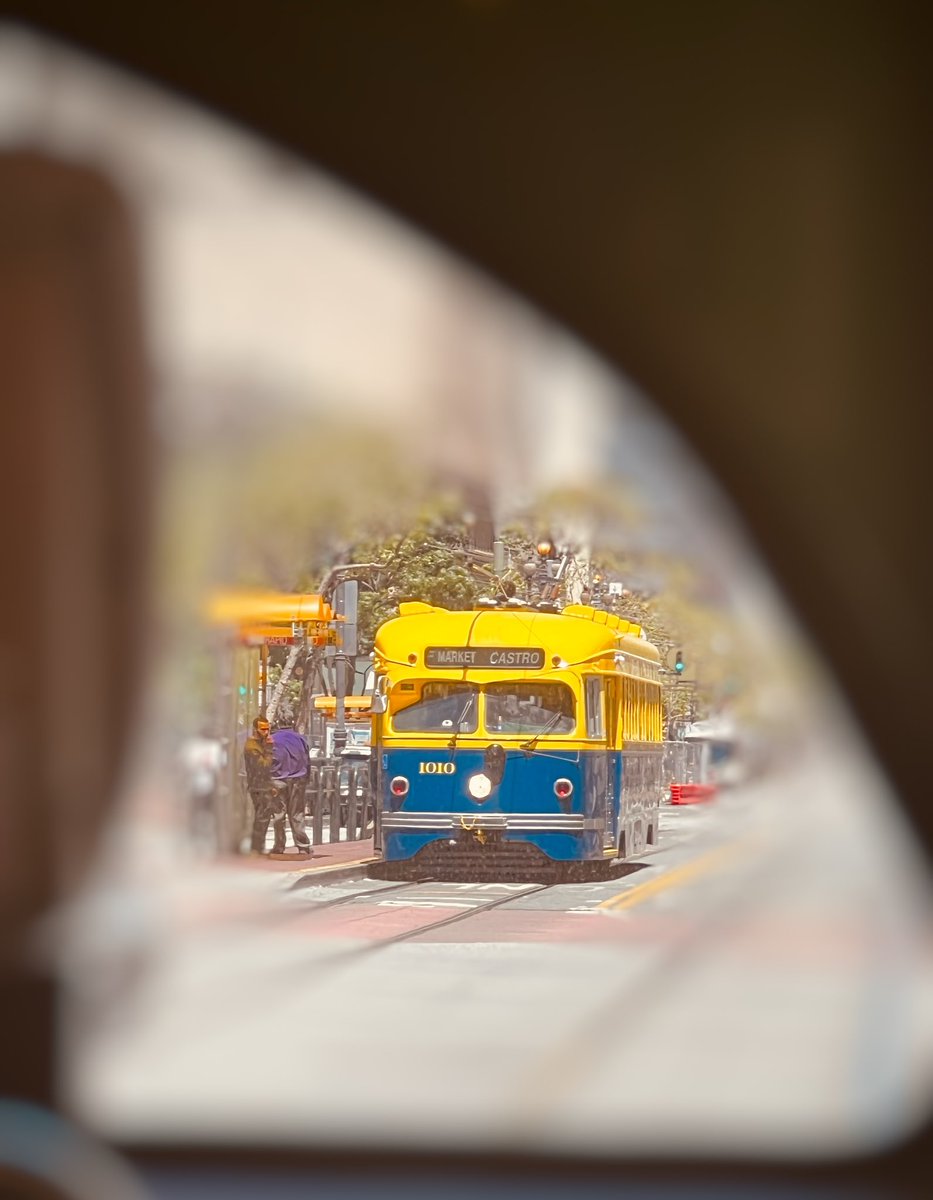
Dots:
{"x": 376, "y": 896}
{"x": 323, "y": 964}
{"x": 285, "y": 917}
{"x": 315, "y": 968}
{"x": 350, "y": 897}
{"x": 317, "y": 963}
{"x": 395, "y": 895}
{"x": 465, "y": 914}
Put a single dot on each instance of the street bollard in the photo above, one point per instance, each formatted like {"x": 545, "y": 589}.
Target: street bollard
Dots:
{"x": 332, "y": 793}
{"x": 366, "y": 805}
{"x": 312, "y": 787}
{"x": 317, "y": 818}
{"x": 352, "y": 805}
{"x": 313, "y": 803}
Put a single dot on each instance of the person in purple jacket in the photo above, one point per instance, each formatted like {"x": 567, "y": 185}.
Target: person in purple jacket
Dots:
{"x": 291, "y": 764}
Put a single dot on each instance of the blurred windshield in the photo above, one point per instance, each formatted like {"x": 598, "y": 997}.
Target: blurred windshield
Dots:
{"x": 704, "y": 928}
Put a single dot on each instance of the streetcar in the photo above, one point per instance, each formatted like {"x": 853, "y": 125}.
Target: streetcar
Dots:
{"x": 514, "y": 736}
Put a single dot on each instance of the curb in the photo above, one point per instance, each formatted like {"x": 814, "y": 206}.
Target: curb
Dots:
{"x": 351, "y": 870}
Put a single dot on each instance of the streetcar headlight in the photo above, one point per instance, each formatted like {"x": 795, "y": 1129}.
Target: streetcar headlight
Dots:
{"x": 399, "y": 786}
{"x": 479, "y": 786}
{"x": 563, "y": 788}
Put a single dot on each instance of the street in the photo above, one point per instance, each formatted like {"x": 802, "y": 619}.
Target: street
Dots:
{"x": 755, "y": 983}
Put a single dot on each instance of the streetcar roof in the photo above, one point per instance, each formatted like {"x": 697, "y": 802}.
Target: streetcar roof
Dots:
{"x": 571, "y": 638}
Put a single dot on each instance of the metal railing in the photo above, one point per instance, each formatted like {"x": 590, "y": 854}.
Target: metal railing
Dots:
{"x": 684, "y": 762}
{"x": 339, "y": 799}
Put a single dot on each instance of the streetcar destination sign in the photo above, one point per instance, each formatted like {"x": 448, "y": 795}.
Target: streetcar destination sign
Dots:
{"x": 502, "y": 658}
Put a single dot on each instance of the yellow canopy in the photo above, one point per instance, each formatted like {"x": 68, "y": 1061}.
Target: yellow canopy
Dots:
{"x": 245, "y": 607}
{"x": 353, "y": 704}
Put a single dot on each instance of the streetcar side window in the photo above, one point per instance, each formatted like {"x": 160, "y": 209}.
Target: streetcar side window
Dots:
{"x": 614, "y": 711}
{"x": 595, "y": 723}
{"x": 628, "y": 716}
{"x": 441, "y": 708}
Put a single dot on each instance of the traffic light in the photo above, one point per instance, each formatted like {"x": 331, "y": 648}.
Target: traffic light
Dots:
{"x": 679, "y": 664}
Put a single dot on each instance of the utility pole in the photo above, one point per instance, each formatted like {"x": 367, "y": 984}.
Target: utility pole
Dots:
{"x": 263, "y": 678}
{"x": 346, "y": 596}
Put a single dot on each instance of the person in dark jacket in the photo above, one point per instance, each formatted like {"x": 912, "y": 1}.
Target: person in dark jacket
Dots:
{"x": 291, "y": 766}
{"x": 268, "y": 801}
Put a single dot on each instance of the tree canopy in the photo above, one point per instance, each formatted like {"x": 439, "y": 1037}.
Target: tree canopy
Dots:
{"x": 428, "y": 563}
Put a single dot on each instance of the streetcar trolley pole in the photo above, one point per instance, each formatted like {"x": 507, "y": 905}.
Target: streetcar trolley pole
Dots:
{"x": 346, "y": 599}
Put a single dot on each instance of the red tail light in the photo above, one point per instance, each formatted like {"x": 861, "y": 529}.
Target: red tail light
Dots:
{"x": 399, "y": 786}
{"x": 563, "y": 788}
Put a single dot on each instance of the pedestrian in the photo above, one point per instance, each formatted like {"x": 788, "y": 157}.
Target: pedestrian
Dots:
{"x": 268, "y": 801}
{"x": 291, "y": 767}
{"x": 201, "y": 760}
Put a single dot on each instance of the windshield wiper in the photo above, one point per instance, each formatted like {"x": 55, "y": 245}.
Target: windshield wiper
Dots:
{"x": 529, "y": 746}
{"x": 452, "y": 744}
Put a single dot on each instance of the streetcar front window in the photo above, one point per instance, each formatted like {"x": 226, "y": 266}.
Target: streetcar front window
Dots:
{"x": 529, "y": 708}
{"x": 442, "y": 708}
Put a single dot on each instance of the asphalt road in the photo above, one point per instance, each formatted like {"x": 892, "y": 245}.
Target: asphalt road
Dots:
{"x": 760, "y": 981}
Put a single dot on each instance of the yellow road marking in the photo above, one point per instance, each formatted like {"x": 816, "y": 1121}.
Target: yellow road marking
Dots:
{"x": 352, "y": 862}
{"x": 691, "y": 870}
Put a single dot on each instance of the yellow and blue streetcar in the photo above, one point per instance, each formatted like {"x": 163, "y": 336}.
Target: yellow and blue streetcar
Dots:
{"x": 515, "y": 736}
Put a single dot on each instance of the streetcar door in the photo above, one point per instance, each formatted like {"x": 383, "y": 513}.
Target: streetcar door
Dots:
{"x": 614, "y": 714}
{"x": 599, "y": 793}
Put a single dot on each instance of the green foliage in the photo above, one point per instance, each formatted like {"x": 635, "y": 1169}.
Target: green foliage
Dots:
{"x": 676, "y": 614}
{"x": 290, "y": 697}
{"x": 427, "y": 563}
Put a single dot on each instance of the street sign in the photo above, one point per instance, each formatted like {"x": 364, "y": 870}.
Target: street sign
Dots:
{"x": 500, "y": 658}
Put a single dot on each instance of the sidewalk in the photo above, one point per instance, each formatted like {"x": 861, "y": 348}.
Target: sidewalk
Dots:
{"x": 329, "y": 858}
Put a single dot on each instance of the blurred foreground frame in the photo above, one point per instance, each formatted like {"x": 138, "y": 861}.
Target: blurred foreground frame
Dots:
{"x": 731, "y": 203}
{"x": 76, "y": 496}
